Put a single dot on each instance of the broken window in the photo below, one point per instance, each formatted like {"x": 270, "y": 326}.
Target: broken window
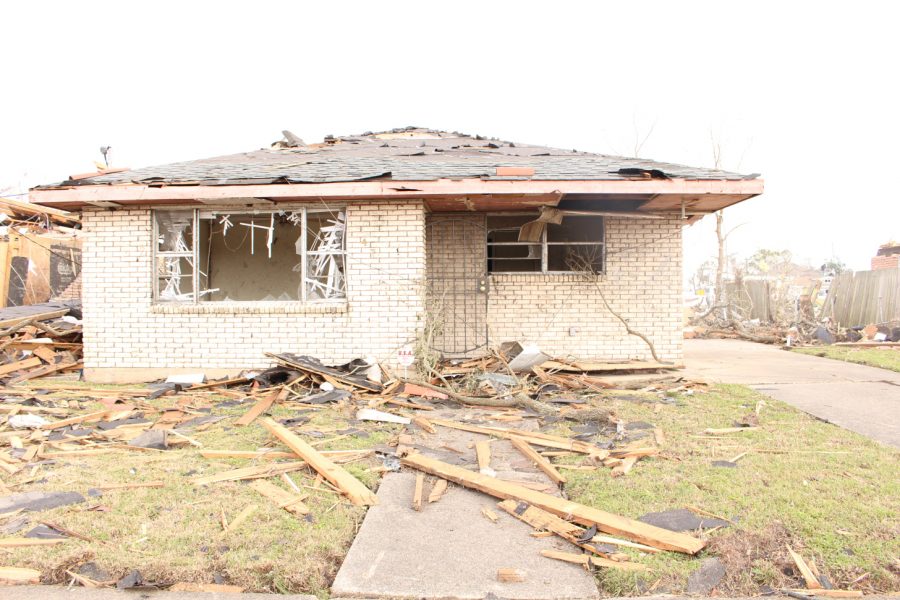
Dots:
{"x": 577, "y": 244}
{"x": 288, "y": 255}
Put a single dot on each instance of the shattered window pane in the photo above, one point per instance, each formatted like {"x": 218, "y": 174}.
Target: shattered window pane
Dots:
{"x": 174, "y": 231}
{"x": 250, "y": 256}
{"x": 175, "y": 279}
{"x": 504, "y": 251}
{"x": 325, "y": 256}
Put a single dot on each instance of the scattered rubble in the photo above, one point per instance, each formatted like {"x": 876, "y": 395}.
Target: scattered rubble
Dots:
{"x": 482, "y": 397}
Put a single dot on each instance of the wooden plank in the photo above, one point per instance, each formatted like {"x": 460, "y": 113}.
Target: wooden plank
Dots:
{"x": 483, "y": 456}
{"x": 243, "y": 516}
{"x": 44, "y": 316}
{"x": 326, "y": 372}
{"x": 597, "y": 561}
{"x": 440, "y": 486}
{"x": 94, "y": 416}
{"x": 424, "y": 423}
{"x": 542, "y": 463}
{"x": 830, "y": 593}
{"x": 510, "y": 575}
{"x": 542, "y": 520}
{"x": 46, "y": 370}
{"x": 45, "y": 353}
{"x": 262, "y": 405}
{"x": 336, "y": 455}
{"x": 212, "y": 384}
{"x": 19, "y": 576}
{"x": 532, "y": 437}
{"x": 586, "y": 515}
{"x": 358, "y": 493}
{"x": 418, "y": 491}
{"x": 21, "y": 364}
{"x": 812, "y": 582}
{"x": 255, "y": 472}
{"x": 589, "y": 367}
{"x": 284, "y": 499}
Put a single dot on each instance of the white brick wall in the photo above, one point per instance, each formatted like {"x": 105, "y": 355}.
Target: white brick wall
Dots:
{"x": 564, "y": 315}
{"x": 123, "y": 329}
{"x": 385, "y": 274}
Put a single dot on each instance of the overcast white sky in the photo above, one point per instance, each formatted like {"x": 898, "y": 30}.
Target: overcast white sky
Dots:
{"x": 804, "y": 93}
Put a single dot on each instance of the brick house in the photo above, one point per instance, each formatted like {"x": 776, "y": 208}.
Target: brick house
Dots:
{"x": 887, "y": 257}
{"x": 362, "y": 245}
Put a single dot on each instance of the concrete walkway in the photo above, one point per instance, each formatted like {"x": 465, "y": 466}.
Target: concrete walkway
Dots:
{"x": 450, "y": 549}
{"x": 856, "y": 397}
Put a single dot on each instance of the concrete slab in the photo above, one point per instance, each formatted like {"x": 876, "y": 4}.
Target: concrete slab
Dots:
{"x": 450, "y": 550}
{"x": 856, "y": 397}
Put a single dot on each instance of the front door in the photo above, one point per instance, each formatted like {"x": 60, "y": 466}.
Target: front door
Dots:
{"x": 457, "y": 298}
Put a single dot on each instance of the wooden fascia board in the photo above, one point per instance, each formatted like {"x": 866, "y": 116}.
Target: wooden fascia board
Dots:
{"x": 137, "y": 194}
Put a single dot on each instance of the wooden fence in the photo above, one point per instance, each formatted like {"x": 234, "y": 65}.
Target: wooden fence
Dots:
{"x": 864, "y": 297}
{"x": 754, "y": 297}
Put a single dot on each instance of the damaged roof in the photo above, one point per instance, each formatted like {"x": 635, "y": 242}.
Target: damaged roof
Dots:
{"x": 406, "y": 154}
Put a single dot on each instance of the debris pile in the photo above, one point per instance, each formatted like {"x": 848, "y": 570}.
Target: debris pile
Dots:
{"x": 522, "y": 405}
{"x": 39, "y": 340}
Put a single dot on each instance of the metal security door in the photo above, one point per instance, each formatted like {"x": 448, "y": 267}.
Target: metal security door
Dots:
{"x": 457, "y": 285}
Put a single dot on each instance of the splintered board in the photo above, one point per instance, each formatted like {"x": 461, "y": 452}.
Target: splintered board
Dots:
{"x": 586, "y": 515}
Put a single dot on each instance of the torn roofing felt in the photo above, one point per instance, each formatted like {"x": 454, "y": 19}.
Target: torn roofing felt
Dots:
{"x": 407, "y": 154}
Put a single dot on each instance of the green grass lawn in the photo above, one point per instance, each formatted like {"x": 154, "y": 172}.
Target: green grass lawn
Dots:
{"x": 884, "y": 358}
{"x": 174, "y": 533}
{"x": 831, "y": 494}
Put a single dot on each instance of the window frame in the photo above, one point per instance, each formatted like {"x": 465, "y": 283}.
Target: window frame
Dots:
{"x": 543, "y": 243}
{"x": 194, "y": 255}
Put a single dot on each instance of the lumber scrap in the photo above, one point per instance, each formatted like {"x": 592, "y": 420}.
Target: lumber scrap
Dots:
{"x": 532, "y": 437}
{"x": 262, "y": 405}
{"x": 94, "y": 416}
{"x": 812, "y": 582}
{"x": 585, "y": 515}
{"x": 220, "y": 382}
{"x": 829, "y": 593}
{"x": 591, "y": 367}
{"x": 590, "y": 559}
{"x": 440, "y": 486}
{"x": 338, "y": 456}
{"x": 419, "y": 491}
{"x": 19, "y": 576}
{"x": 541, "y": 519}
{"x": 283, "y": 498}
{"x": 540, "y": 462}
{"x": 358, "y": 493}
{"x": 45, "y": 370}
{"x": 304, "y": 364}
{"x": 255, "y": 472}
{"x": 242, "y": 516}
{"x": 510, "y": 575}
{"x": 483, "y": 457}
{"x": 44, "y": 316}
{"x": 19, "y": 365}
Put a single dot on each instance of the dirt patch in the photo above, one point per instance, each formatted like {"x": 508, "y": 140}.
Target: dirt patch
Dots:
{"x": 754, "y": 559}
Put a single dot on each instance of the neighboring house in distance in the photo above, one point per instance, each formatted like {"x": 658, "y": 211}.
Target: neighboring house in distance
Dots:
{"x": 887, "y": 257}
{"x": 361, "y": 245}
